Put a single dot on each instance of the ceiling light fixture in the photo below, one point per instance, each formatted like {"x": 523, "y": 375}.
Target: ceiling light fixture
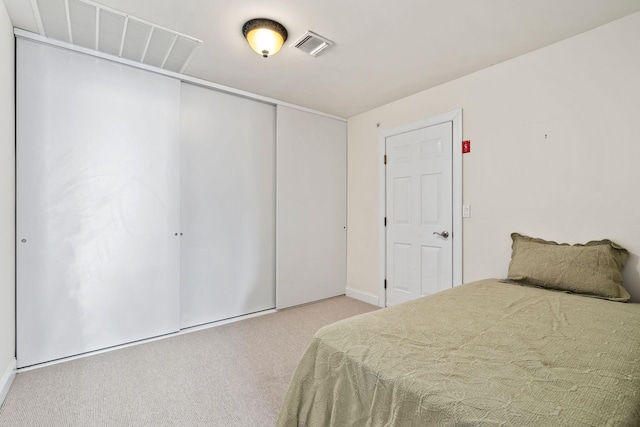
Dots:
{"x": 265, "y": 36}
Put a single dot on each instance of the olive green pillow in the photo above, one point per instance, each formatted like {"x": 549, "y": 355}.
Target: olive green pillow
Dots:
{"x": 593, "y": 268}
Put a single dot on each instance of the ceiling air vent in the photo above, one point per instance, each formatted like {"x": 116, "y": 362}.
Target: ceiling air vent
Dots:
{"x": 312, "y": 43}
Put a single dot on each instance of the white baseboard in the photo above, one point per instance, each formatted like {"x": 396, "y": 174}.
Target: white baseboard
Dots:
{"x": 6, "y": 380}
{"x": 363, "y": 296}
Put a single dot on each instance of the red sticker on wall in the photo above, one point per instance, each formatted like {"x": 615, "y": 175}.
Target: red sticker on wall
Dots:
{"x": 466, "y": 146}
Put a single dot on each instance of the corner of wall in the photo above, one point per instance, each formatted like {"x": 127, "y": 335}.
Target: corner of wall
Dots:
{"x": 7, "y": 205}
{"x": 363, "y": 296}
{"x": 6, "y": 380}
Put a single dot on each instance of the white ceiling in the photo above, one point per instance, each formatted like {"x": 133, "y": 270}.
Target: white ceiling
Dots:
{"x": 384, "y": 49}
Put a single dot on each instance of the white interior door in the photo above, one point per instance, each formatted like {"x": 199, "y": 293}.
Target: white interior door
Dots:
{"x": 97, "y": 203}
{"x": 311, "y": 203}
{"x": 228, "y": 206}
{"x": 419, "y": 212}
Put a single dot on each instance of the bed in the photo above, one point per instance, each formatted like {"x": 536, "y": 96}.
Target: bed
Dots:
{"x": 481, "y": 354}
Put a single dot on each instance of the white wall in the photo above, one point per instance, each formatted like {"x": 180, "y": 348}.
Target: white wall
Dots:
{"x": 7, "y": 194}
{"x": 577, "y": 184}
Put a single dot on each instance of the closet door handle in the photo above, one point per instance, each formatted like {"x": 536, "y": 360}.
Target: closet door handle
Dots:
{"x": 444, "y": 234}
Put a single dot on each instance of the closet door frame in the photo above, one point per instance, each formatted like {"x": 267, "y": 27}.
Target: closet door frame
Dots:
{"x": 25, "y": 36}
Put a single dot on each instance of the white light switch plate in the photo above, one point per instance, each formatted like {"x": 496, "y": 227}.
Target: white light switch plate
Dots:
{"x": 466, "y": 211}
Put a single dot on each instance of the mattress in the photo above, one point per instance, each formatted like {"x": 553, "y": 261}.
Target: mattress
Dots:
{"x": 482, "y": 354}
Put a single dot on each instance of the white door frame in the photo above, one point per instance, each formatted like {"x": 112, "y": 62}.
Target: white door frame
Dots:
{"x": 455, "y": 117}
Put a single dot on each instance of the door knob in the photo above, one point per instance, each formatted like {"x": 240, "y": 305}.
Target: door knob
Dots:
{"x": 444, "y": 234}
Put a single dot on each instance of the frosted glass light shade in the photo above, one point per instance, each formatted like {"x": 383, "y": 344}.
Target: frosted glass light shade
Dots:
{"x": 265, "y": 36}
{"x": 265, "y": 42}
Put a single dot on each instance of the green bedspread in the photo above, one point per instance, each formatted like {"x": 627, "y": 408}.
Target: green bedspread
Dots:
{"x": 482, "y": 354}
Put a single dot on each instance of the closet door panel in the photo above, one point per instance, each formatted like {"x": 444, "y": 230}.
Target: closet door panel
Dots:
{"x": 97, "y": 203}
{"x": 228, "y": 206}
{"x": 312, "y": 200}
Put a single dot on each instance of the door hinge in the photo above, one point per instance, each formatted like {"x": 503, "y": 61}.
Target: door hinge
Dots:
{"x": 385, "y": 221}
{"x": 385, "y": 283}
{"x": 385, "y": 159}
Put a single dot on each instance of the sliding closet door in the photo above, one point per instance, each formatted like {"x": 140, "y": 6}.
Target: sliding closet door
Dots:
{"x": 97, "y": 203}
{"x": 312, "y": 215}
{"x": 228, "y": 206}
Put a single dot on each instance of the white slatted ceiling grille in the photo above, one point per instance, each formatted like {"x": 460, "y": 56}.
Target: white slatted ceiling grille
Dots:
{"x": 93, "y": 26}
{"x": 312, "y": 43}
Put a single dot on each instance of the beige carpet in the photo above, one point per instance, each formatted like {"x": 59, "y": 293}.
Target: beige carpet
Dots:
{"x": 230, "y": 375}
